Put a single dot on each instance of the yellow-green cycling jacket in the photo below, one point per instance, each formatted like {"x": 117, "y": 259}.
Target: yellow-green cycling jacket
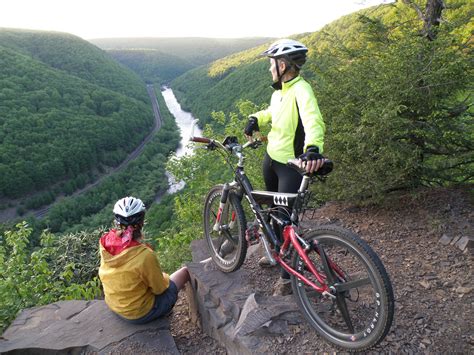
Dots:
{"x": 296, "y": 121}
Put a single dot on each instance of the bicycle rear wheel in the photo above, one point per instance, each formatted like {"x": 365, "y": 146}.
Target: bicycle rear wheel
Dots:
{"x": 226, "y": 242}
{"x": 360, "y": 311}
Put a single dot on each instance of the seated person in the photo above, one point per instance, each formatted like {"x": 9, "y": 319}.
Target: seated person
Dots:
{"x": 135, "y": 288}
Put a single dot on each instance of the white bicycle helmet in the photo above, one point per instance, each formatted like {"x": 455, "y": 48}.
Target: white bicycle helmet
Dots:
{"x": 292, "y": 51}
{"x": 129, "y": 211}
{"x": 284, "y": 47}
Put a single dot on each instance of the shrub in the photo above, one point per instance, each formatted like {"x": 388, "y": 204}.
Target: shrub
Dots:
{"x": 28, "y": 278}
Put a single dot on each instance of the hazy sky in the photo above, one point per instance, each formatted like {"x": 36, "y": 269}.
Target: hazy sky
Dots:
{"x": 176, "y": 18}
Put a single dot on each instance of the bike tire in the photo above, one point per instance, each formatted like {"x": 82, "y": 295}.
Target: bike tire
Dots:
{"x": 361, "y": 316}
{"x": 235, "y": 233}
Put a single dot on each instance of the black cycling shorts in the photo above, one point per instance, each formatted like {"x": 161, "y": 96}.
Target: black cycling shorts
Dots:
{"x": 279, "y": 177}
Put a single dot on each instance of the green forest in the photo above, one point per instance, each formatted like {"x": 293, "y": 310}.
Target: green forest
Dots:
{"x": 196, "y": 51}
{"x": 395, "y": 93}
{"x": 151, "y": 64}
{"x": 67, "y": 112}
{"x": 397, "y": 104}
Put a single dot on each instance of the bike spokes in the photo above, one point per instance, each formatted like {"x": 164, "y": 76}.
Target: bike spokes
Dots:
{"x": 334, "y": 274}
{"x": 357, "y": 310}
{"x": 349, "y": 285}
{"x": 342, "y": 305}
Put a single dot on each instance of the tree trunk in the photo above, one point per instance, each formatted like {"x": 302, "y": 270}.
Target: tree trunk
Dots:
{"x": 431, "y": 17}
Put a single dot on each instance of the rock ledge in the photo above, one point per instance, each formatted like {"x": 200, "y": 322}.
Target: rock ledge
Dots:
{"x": 78, "y": 327}
{"x": 228, "y": 310}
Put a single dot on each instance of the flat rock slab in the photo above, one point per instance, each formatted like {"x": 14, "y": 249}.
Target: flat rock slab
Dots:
{"x": 78, "y": 327}
{"x": 242, "y": 320}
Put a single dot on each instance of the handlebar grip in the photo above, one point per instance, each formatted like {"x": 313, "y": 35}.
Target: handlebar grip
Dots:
{"x": 324, "y": 170}
{"x": 200, "y": 140}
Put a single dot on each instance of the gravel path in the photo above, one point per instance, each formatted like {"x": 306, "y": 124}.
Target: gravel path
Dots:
{"x": 433, "y": 282}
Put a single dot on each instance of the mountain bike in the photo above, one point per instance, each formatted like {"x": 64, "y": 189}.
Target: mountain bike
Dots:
{"x": 339, "y": 282}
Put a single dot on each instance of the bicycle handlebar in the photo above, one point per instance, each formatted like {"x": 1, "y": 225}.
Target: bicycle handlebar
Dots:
{"x": 200, "y": 139}
{"x": 255, "y": 143}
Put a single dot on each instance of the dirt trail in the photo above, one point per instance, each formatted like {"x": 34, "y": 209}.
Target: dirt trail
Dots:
{"x": 433, "y": 283}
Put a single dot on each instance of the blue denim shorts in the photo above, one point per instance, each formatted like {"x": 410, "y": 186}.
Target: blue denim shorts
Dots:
{"x": 164, "y": 303}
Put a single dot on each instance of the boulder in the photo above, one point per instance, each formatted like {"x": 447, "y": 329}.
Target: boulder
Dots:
{"x": 226, "y": 308}
{"x": 465, "y": 242}
{"x": 78, "y": 327}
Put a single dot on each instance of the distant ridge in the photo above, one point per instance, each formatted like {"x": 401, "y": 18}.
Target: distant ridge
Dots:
{"x": 196, "y": 50}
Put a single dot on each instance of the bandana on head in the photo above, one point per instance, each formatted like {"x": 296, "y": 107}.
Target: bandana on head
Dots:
{"x": 115, "y": 244}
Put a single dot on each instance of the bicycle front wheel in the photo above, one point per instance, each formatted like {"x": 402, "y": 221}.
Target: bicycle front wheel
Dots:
{"x": 359, "y": 312}
{"x": 226, "y": 237}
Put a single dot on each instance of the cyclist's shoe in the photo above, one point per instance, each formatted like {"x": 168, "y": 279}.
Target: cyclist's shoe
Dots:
{"x": 226, "y": 248}
{"x": 282, "y": 287}
{"x": 264, "y": 262}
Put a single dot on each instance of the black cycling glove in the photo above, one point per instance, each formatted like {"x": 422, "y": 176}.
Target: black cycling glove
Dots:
{"x": 252, "y": 126}
{"x": 312, "y": 153}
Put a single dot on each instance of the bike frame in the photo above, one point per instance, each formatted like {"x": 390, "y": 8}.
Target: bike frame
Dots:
{"x": 290, "y": 237}
{"x": 324, "y": 276}
{"x": 242, "y": 186}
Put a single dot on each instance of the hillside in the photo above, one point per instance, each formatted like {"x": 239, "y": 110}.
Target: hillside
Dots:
{"x": 389, "y": 97}
{"x": 428, "y": 270}
{"x": 196, "y": 50}
{"x": 164, "y": 59}
{"x": 66, "y": 110}
{"x": 152, "y": 65}
{"x": 398, "y": 110}
{"x": 245, "y": 75}
{"x": 74, "y": 56}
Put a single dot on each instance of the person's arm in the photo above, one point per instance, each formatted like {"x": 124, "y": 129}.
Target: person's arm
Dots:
{"x": 263, "y": 117}
{"x": 257, "y": 119}
{"x": 152, "y": 275}
{"x": 311, "y": 118}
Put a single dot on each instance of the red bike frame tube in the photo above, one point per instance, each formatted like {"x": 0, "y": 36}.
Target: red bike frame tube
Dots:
{"x": 299, "y": 276}
{"x": 289, "y": 236}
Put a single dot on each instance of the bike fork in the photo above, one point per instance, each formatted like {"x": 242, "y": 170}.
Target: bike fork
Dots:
{"x": 222, "y": 210}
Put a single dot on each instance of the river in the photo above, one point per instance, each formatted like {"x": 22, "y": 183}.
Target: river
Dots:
{"x": 184, "y": 121}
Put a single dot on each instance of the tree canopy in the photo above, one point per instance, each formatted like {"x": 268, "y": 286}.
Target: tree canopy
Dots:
{"x": 66, "y": 111}
{"x": 397, "y": 105}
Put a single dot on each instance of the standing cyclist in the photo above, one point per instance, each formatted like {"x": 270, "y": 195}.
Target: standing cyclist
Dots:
{"x": 297, "y": 128}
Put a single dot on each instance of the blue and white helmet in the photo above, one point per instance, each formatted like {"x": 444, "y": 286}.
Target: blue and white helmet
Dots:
{"x": 129, "y": 211}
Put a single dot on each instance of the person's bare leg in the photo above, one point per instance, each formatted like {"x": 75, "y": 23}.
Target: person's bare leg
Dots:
{"x": 180, "y": 277}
